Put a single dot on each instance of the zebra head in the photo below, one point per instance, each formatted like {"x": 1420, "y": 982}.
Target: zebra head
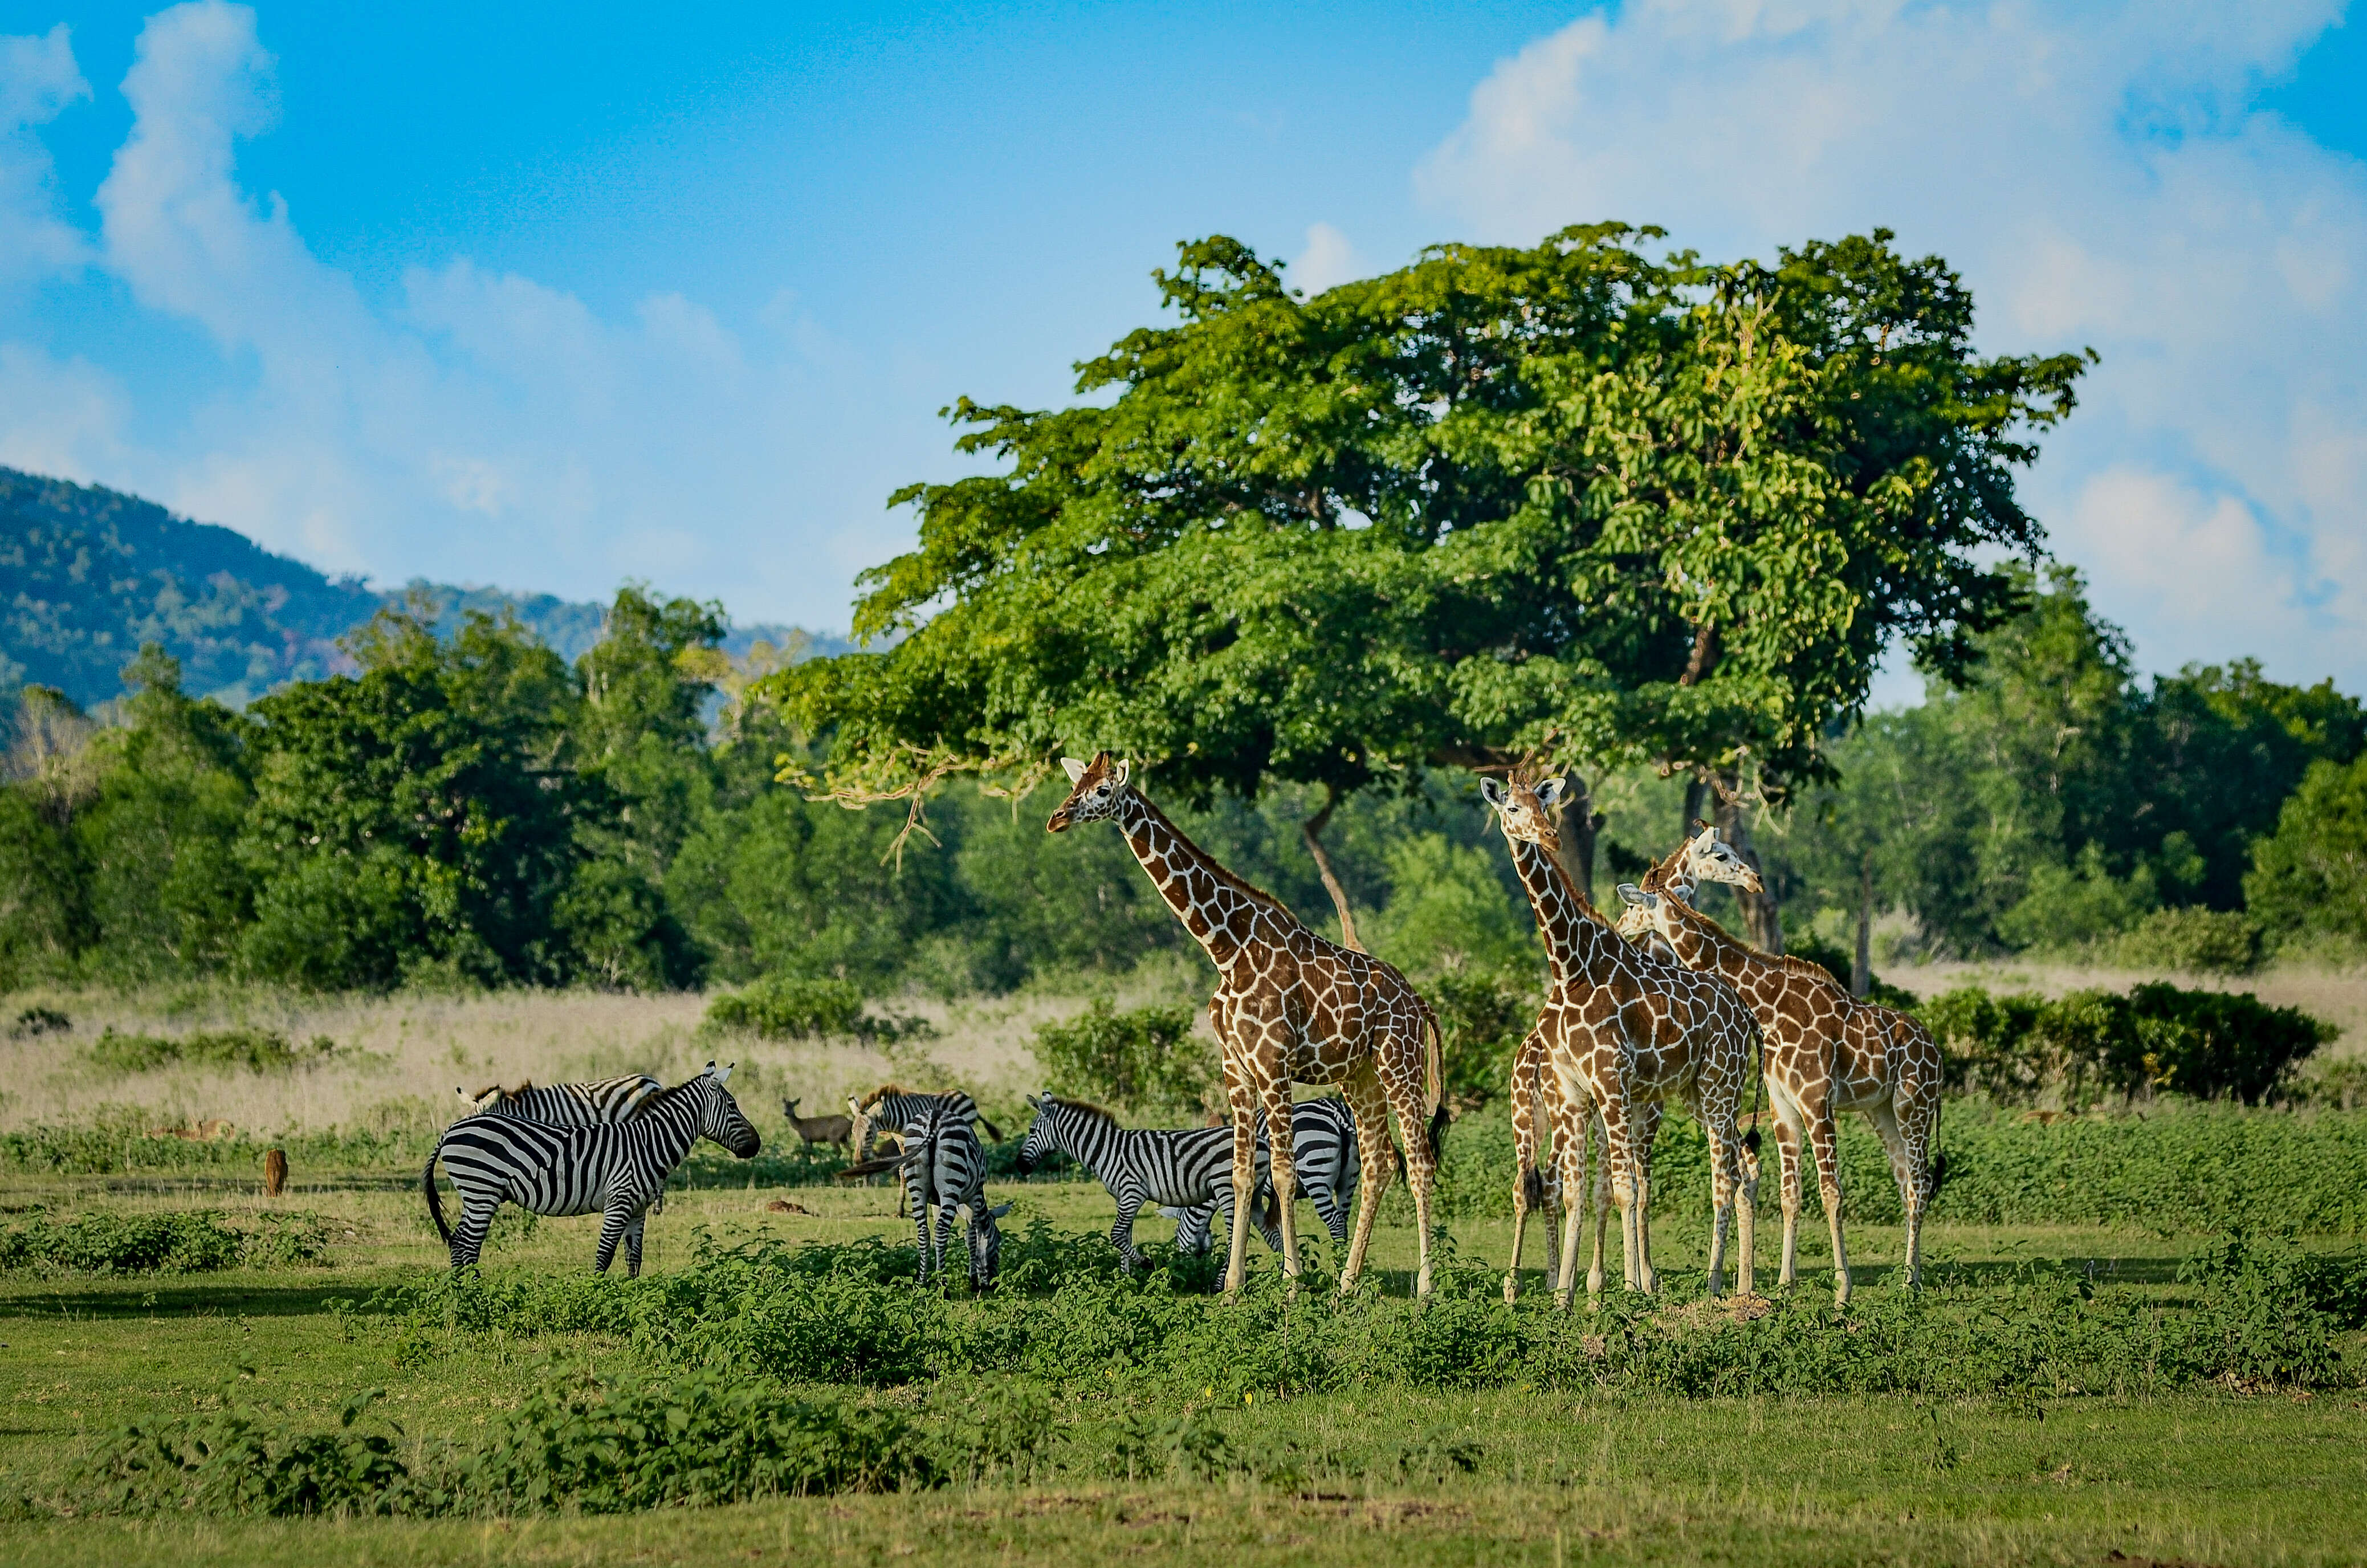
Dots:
{"x": 719, "y": 1115}
{"x": 1043, "y": 1133}
{"x": 985, "y": 1248}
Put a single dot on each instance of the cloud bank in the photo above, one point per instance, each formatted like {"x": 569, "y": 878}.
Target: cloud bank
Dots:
{"x": 2093, "y": 171}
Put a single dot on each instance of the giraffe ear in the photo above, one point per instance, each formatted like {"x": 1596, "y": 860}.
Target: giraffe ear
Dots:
{"x": 1549, "y": 792}
{"x": 1125, "y": 772}
{"x": 1491, "y": 792}
{"x": 1631, "y": 894}
{"x": 1074, "y": 769}
{"x": 1708, "y": 837}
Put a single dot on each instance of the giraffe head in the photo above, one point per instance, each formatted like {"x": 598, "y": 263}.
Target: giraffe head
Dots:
{"x": 1706, "y": 857}
{"x": 1651, "y": 908}
{"x": 1525, "y": 811}
{"x": 1098, "y": 786}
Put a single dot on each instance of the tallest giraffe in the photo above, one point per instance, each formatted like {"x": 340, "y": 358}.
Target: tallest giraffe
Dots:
{"x": 1290, "y": 1006}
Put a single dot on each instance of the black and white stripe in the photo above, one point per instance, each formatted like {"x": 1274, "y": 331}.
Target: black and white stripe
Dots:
{"x": 1183, "y": 1166}
{"x": 1324, "y": 1157}
{"x": 566, "y": 1105}
{"x": 618, "y": 1169}
{"x": 944, "y": 1169}
{"x": 898, "y": 1109}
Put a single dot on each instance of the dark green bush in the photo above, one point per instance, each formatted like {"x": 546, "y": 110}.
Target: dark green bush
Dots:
{"x": 238, "y": 1460}
{"x": 2088, "y": 1044}
{"x": 34, "y": 1021}
{"x": 258, "y": 1051}
{"x": 1838, "y": 964}
{"x": 783, "y": 1009}
{"x": 119, "y": 1141}
{"x": 1145, "y": 1061}
{"x": 1483, "y": 1014}
{"x": 2191, "y": 940}
{"x": 193, "y": 1242}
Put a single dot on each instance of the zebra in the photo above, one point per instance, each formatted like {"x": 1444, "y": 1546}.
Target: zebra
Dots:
{"x": 567, "y": 1105}
{"x": 618, "y": 1169}
{"x": 564, "y": 1105}
{"x": 944, "y": 1169}
{"x": 1184, "y": 1166}
{"x": 892, "y": 1105}
{"x": 1323, "y": 1147}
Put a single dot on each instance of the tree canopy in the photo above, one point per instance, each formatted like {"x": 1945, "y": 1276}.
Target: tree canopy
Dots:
{"x": 1642, "y": 509}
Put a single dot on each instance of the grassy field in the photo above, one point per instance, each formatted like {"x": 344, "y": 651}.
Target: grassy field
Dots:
{"x": 2130, "y": 1433}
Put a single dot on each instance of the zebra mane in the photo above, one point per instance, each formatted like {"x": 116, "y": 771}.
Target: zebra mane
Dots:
{"x": 1091, "y": 1110}
{"x": 687, "y": 1087}
{"x": 881, "y": 1093}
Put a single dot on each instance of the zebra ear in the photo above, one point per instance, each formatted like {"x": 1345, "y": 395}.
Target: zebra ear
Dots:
{"x": 722, "y": 1076}
{"x": 1034, "y": 1104}
{"x": 997, "y": 1212}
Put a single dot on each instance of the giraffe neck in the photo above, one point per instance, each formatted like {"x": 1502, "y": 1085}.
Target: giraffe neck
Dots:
{"x": 1220, "y": 919}
{"x": 1578, "y": 944}
{"x": 1700, "y": 943}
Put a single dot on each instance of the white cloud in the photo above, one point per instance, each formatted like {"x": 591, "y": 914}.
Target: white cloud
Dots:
{"x": 2094, "y": 173}
{"x": 37, "y": 80}
{"x": 1327, "y": 261}
{"x": 482, "y": 427}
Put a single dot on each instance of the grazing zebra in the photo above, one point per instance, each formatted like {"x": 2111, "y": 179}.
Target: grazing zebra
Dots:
{"x": 618, "y": 1169}
{"x": 565, "y": 1105}
{"x": 1323, "y": 1142}
{"x": 944, "y": 1169}
{"x": 1184, "y": 1166}
{"x": 894, "y": 1106}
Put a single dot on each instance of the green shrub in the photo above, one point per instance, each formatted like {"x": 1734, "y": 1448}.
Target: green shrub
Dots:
{"x": 1483, "y": 1014}
{"x": 238, "y": 1460}
{"x": 2191, "y": 940}
{"x": 2088, "y": 1044}
{"x": 36, "y": 1021}
{"x": 194, "y": 1242}
{"x": 118, "y": 1140}
{"x": 258, "y": 1051}
{"x": 783, "y": 1009}
{"x": 1840, "y": 965}
{"x": 1145, "y": 1061}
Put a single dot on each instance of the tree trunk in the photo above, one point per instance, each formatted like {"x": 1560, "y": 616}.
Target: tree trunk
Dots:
{"x": 1762, "y": 913}
{"x": 1696, "y": 798}
{"x": 1580, "y": 825}
{"x": 1313, "y": 828}
{"x": 1861, "y": 967}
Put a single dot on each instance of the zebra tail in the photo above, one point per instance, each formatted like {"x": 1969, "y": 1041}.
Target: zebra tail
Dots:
{"x": 991, "y": 1130}
{"x": 435, "y": 1203}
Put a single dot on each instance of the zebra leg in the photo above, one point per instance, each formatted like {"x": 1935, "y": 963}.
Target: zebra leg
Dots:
{"x": 945, "y": 1234}
{"x": 920, "y": 1228}
{"x": 468, "y": 1235}
{"x": 633, "y": 1245}
{"x": 1130, "y": 1256}
{"x": 613, "y": 1225}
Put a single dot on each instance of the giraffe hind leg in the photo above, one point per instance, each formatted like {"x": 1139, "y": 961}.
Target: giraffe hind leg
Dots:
{"x": 1370, "y": 1107}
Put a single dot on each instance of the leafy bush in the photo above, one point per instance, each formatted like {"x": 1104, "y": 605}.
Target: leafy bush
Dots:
{"x": 193, "y": 1242}
{"x": 36, "y": 1021}
{"x": 2191, "y": 940}
{"x": 2092, "y": 1043}
{"x": 118, "y": 1140}
{"x": 2253, "y": 1311}
{"x": 1483, "y": 1014}
{"x": 1838, "y": 964}
{"x": 258, "y": 1051}
{"x": 1145, "y": 1061}
{"x": 783, "y": 1009}
{"x": 238, "y": 1460}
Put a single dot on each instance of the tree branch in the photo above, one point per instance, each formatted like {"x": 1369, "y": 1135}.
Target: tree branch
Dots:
{"x": 1313, "y": 828}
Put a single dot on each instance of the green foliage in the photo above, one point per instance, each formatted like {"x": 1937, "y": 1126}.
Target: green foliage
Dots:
{"x": 118, "y": 1140}
{"x": 257, "y": 1050}
{"x": 185, "y": 1241}
{"x": 2090, "y": 1043}
{"x": 2193, "y": 940}
{"x": 2309, "y": 878}
{"x": 1667, "y": 509}
{"x": 783, "y": 1009}
{"x": 1449, "y": 909}
{"x": 1483, "y": 1014}
{"x": 34, "y": 1022}
{"x": 1838, "y": 964}
{"x": 1145, "y": 1060}
{"x": 238, "y": 1460}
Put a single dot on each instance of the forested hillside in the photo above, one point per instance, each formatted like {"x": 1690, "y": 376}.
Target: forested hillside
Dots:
{"x": 88, "y": 575}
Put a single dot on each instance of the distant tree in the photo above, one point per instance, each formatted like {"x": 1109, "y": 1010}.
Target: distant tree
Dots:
{"x": 2309, "y": 878}
{"x": 1501, "y": 498}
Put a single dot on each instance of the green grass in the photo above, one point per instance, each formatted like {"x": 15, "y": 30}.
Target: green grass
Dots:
{"x": 2197, "y": 1474}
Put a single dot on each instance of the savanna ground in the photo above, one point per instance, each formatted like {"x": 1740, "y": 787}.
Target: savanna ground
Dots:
{"x": 2046, "y": 1467}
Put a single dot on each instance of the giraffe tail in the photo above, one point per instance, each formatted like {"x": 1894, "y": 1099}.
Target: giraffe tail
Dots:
{"x": 1434, "y": 1070}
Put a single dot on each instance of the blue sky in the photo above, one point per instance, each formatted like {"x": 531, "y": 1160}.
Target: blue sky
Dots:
{"x": 550, "y": 295}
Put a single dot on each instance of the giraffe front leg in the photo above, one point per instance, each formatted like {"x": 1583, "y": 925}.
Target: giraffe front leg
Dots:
{"x": 1279, "y": 1133}
{"x": 1647, "y": 1132}
{"x": 1244, "y": 1104}
{"x": 1789, "y": 1124}
{"x": 1598, "y": 1201}
{"x": 1370, "y": 1107}
{"x": 1724, "y": 1181}
{"x": 1524, "y": 1175}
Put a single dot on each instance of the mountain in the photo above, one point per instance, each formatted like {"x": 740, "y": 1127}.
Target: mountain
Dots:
{"x": 87, "y": 575}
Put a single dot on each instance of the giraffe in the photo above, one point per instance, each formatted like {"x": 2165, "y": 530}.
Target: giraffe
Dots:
{"x": 1539, "y": 1105}
{"x": 1627, "y": 1033}
{"x": 1289, "y": 1008}
{"x": 1827, "y": 1052}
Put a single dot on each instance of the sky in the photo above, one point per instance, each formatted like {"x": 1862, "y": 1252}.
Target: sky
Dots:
{"x": 550, "y": 297}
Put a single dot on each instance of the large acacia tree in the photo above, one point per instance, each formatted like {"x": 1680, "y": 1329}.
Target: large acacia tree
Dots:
{"x": 1571, "y": 496}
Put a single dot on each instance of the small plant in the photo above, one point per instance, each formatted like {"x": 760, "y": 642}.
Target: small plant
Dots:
{"x": 782, "y": 1009}
{"x": 258, "y": 1051}
{"x": 191, "y": 1241}
{"x": 37, "y": 1021}
{"x": 1144, "y": 1061}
